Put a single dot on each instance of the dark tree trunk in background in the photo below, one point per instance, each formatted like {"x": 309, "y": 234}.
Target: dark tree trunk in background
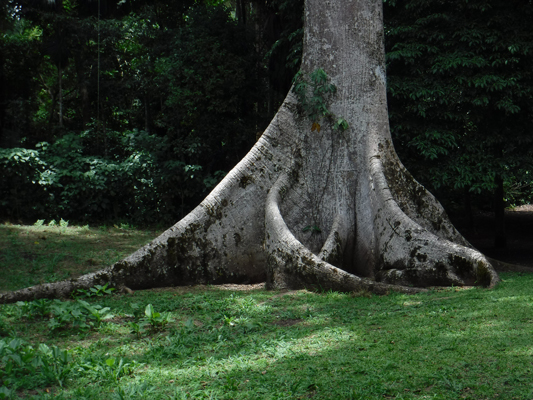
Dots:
{"x": 83, "y": 91}
{"x": 60, "y": 83}
{"x": 147, "y": 115}
{"x": 240, "y": 11}
{"x": 3, "y": 97}
{"x": 500, "y": 236}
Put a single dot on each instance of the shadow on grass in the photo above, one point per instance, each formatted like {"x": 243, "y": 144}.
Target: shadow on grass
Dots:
{"x": 448, "y": 345}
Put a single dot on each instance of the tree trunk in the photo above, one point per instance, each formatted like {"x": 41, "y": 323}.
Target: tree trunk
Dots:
{"x": 3, "y": 94}
{"x": 147, "y": 116}
{"x": 83, "y": 91}
{"x": 374, "y": 226}
{"x": 60, "y": 83}
{"x": 500, "y": 237}
{"x": 240, "y": 11}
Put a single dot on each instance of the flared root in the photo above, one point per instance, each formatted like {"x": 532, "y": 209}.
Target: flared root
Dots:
{"x": 62, "y": 289}
{"x": 308, "y": 207}
{"x": 292, "y": 265}
{"x": 415, "y": 255}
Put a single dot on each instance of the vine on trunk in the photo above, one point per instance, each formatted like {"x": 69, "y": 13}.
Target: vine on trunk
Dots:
{"x": 313, "y": 94}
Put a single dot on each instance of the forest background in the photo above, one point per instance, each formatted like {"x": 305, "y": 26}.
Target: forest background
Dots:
{"x": 134, "y": 110}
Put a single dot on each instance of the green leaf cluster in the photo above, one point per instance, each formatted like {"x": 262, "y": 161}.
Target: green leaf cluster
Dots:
{"x": 142, "y": 181}
{"x": 156, "y": 321}
{"x": 95, "y": 291}
{"x": 313, "y": 94}
{"x": 159, "y": 101}
{"x": 36, "y": 366}
{"x": 78, "y": 315}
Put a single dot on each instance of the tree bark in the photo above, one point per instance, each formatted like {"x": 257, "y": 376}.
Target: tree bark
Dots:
{"x": 60, "y": 84}
{"x": 240, "y": 11}
{"x": 500, "y": 236}
{"x": 83, "y": 91}
{"x": 147, "y": 116}
{"x": 376, "y": 228}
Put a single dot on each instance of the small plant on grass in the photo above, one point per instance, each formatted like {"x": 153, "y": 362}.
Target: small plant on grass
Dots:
{"x": 23, "y": 366}
{"x": 56, "y": 363}
{"x": 35, "y": 309}
{"x": 68, "y": 315}
{"x": 137, "y": 311}
{"x": 136, "y": 325}
{"x": 135, "y": 391}
{"x": 5, "y": 328}
{"x": 4, "y": 393}
{"x": 17, "y": 359}
{"x": 78, "y": 315}
{"x": 95, "y": 291}
{"x": 157, "y": 321}
{"x": 113, "y": 370}
{"x": 229, "y": 321}
{"x": 136, "y": 329}
{"x": 96, "y": 312}
{"x": 109, "y": 369}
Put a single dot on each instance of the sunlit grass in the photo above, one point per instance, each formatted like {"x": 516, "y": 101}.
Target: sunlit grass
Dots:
{"x": 31, "y": 255}
{"x": 458, "y": 343}
{"x": 452, "y": 344}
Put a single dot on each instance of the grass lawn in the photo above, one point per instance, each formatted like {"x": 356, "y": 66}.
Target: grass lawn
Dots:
{"x": 210, "y": 343}
{"x": 43, "y": 253}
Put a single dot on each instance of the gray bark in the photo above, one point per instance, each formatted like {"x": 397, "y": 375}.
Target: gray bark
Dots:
{"x": 379, "y": 229}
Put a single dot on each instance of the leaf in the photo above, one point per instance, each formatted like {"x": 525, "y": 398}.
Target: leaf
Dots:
{"x": 149, "y": 311}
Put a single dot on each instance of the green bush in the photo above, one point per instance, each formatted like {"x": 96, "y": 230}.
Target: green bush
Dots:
{"x": 201, "y": 107}
{"x": 20, "y": 183}
{"x": 139, "y": 181}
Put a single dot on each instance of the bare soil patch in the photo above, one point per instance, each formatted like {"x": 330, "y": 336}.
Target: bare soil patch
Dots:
{"x": 287, "y": 322}
{"x": 203, "y": 288}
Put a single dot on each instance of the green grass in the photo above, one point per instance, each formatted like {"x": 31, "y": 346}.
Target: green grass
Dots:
{"x": 460, "y": 343}
{"x": 30, "y": 255}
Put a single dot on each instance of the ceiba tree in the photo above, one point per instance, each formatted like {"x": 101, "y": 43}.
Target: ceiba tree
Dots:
{"x": 321, "y": 200}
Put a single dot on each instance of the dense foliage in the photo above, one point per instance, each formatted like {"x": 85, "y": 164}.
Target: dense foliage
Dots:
{"x": 461, "y": 91}
{"x": 132, "y": 113}
{"x": 136, "y": 110}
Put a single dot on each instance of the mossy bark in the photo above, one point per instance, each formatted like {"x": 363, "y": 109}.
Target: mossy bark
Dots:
{"x": 374, "y": 227}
